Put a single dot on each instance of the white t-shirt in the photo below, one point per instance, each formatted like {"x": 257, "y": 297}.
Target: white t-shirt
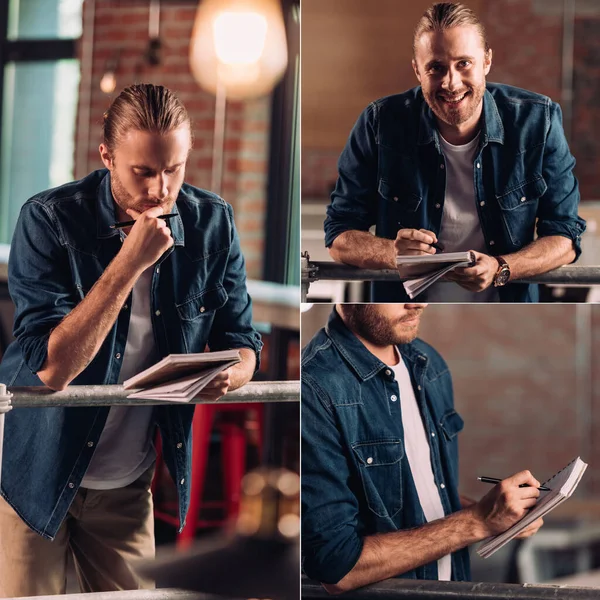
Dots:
{"x": 418, "y": 453}
{"x": 461, "y": 229}
{"x": 125, "y": 449}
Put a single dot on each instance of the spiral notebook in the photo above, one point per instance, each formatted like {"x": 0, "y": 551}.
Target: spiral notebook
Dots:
{"x": 562, "y": 485}
{"x": 418, "y": 272}
{"x": 180, "y": 377}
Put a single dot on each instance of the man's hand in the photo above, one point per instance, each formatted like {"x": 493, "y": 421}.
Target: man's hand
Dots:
{"x": 506, "y": 503}
{"x": 414, "y": 241}
{"x": 148, "y": 239}
{"x": 477, "y": 278}
{"x": 218, "y": 387}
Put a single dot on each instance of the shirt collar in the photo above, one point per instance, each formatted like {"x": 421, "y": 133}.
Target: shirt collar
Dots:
{"x": 362, "y": 362}
{"x": 492, "y": 128}
{"x": 107, "y": 215}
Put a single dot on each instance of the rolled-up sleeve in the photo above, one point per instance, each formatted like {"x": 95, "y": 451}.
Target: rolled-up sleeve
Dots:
{"x": 557, "y": 213}
{"x": 331, "y": 545}
{"x": 39, "y": 281}
{"x": 353, "y": 201}
{"x": 232, "y": 326}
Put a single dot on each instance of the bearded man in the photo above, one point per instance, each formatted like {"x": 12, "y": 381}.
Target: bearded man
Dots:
{"x": 380, "y": 457}
{"x": 459, "y": 164}
{"x": 95, "y": 303}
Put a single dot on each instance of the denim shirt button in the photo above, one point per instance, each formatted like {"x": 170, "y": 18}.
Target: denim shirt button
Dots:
{"x": 71, "y": 485}
{"x": 523, "y": 199}
{"x": 388, "y": 372}
{"x": 393, "y": 397}
{"x": 479, "y": 165}
{"x": 419, "y": 388}
{"x": 438, "y": 205}
{"x": 180, "y": 445}
{"x": 90, "y": 444}
{"x": 442, "y": 486}
{"x": 118, "y": 355}
{"x": 182, "y": 481}
{"x": 395, "y": 198}
{"x": 492, "y": 242}
{"x": 482, "y": 203}
{"x": 433, "y": 434}
{"x": 202, "y": 309}
{"x": 125, "y": 307}
{"x": 157, "y": 313}
{"x": 158, "y": 269}
{"x": 369, "y": 460}
{"x": 442, "y": 166}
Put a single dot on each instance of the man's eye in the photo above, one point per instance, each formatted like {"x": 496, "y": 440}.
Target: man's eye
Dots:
{"x": 464, "y": 63}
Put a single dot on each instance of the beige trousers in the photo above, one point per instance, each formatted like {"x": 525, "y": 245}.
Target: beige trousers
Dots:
{"x": 104, "y": 530}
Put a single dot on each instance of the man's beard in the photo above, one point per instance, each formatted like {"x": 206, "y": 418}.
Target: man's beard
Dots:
{"x": 125, "y": 200}
{"x": 455, "y": 116}
{"x": 369, "y": 324}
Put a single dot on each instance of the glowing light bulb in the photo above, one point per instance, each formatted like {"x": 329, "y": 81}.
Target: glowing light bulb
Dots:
{"x": 239, "y": 37}
{"x": 239, "y": 46}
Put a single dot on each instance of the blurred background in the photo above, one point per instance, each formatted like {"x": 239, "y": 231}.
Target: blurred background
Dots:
{"x": 62, "y": 62}
{"x": 525, "y": 385}
{"x": 354, "y": 52}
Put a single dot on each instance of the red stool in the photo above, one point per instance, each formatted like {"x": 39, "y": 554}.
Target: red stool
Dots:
{"x": 233, "y": 457}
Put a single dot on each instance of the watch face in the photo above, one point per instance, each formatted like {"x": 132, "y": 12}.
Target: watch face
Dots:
{"x": 502, "y": 277}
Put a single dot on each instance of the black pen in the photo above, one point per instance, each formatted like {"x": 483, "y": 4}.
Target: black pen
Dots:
{"x": 438, "y": 247}
{"x": 494, "y": 480}
{"x": 130, "y": 223}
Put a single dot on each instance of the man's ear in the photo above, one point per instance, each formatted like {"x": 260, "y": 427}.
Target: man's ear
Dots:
{"x": 416, "y": 69}
{"x": 488, "y": 61}
{"x": 106, "y": 156}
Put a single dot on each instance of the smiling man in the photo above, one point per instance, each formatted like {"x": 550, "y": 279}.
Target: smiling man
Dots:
{"x": 380, "y": 457}
{"x": 461, "y": 164}
{"x": 95, "y": 305}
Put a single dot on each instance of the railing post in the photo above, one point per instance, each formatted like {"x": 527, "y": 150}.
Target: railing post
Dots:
{"x": 5, "y": 406}
{"x": 304, "y": 276}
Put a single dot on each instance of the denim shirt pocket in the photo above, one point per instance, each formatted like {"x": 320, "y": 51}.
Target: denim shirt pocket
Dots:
{"x": 380, "y": 466}
{"x": 400, "y": 206}
{"x": 203, "y": 305}
{"x": 451, "y": 424}
{"x": 518, "y": 206}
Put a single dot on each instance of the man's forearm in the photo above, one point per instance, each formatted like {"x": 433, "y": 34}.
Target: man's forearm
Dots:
{"x": 78, "y": 337}
{"x": 361, "y": 249}
{"x": 386, "y": 555}
{"x": 242, "y": 373}
{"x": 541, "y": 256}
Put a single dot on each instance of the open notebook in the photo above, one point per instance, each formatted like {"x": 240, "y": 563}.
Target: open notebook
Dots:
{"x": 561, "y": 485}
{"x": 180, "y": 377}
{"x": 418, "y": 272}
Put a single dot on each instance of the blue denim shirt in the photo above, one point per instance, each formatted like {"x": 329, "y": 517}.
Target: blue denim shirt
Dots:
{"x": 61, "y": 246}
{"x": 356, "y": 480}
{"x": 392, "y": 175}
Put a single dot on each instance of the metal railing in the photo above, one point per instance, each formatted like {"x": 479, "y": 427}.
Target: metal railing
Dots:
{"x": 115, "y": 395}
{"x": 410, "y": 589}
{"x": 312, "y": 271}
{"x": 163, "y": 594}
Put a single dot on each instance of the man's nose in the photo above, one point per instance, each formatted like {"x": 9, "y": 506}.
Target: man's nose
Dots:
{"x": 159, "y": 189}
{"x": 452, "y": 80}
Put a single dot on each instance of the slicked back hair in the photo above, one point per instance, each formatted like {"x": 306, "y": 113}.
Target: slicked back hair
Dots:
{"x": 445, "y": 15}
{"x": 143, "y": 107}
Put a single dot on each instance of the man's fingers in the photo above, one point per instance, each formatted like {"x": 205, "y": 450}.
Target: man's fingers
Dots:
{"x": 523, "y": 477}
{"x": 155, "y": 211}
{"x": 132, "y": 213}
{"x": 416, "y": 247}
{"x": 430, "y": 233}
{"x": 419, "y": 236}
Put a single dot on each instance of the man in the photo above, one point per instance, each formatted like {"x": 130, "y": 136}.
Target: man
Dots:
{"x": 380, "y": 457}
{"x": 95, "y": 305}
{"x": 455, "y": 161}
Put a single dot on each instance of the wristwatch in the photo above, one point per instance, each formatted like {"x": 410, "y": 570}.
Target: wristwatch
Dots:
{"x": 503, "y": 273}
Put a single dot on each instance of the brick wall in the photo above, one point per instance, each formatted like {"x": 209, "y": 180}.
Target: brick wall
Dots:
{"x": 524, "y": 384}
{"x": 526, "y": 37}
{"x": 124, "y": 26}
